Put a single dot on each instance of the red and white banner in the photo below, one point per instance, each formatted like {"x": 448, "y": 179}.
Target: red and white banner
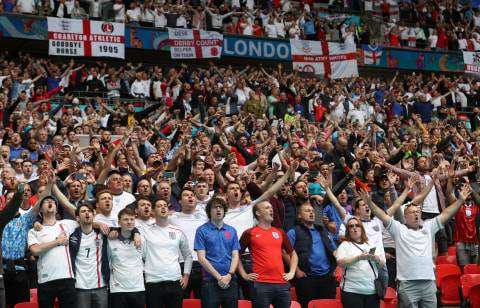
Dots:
{"x": 85, "y": 38}
{"x": 472, "y": 62}
{"x": 194, "y": 44}
{"x": 333, "y": 60}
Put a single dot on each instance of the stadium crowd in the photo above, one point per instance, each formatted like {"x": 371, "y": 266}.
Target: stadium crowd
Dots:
{"x": 435, "y": 25}
{"x": 231, "y": 183}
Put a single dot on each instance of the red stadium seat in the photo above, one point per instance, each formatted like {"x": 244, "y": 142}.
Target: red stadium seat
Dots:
{"x": 33, "y": 296}
{"x": 242, "y": 303}
{"x": 390, "y": 300}
{"x": 471, "y": 269}
{"x": 192, "y": 303}
{"x": 293, "y": 294}
{"x": 447, "y": 260}
{"x": 475, "y": 296}
{"x": 338, "y": 293}
{"x": 295, "y": 304}
{"x": 325, "y": 303}
{"x": 452, "y": 251}
{"x": 467, "y": 283}
{"x": 445, "y": 270}
{"x": 26, "y": 305}
{"x": 449, "y": 294}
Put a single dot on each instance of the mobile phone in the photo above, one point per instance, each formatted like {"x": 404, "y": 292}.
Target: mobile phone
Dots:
{"x": 169, "y": 174}
{"x": 80, "y": 176}
{"x": 372, "y": 251}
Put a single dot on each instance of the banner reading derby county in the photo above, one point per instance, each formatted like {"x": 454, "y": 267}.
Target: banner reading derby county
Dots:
{"x": 194, "y": 44}
{"x": 85, "y": 38}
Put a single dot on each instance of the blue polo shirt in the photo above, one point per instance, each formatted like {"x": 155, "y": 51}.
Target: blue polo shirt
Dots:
{"x": 319, "y": 264}
{"x": 218, "y": 245}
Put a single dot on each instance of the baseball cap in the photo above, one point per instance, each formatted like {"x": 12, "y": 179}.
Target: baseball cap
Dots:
{"x": 316, "y": 189}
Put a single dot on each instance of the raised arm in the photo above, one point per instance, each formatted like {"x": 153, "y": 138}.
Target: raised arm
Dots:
{"x": 451, "y": 210}
{"x": 278, "y": 185}
{"x": 326, "y": 186}
{"x": 375, "y": 209}
{"x": 401, "y": 199}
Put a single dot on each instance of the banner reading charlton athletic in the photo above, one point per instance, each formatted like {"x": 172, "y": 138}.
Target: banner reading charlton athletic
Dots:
{"x": 84, "y": 38}
{"x": 194, "y": 44}
{"x": 333, "y": 60}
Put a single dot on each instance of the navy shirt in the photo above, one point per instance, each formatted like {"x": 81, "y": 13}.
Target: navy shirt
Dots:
{"x": 218, "y": 245}
{"x": 319, "y": 264}
{"x": 425, "y": 109}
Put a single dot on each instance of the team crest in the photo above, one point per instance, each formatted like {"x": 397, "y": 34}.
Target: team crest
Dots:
{"x": 275, "y": 235}
{"x": 376, "y": 228}
{"x": 228, "y": 235}
{"x": 172, "y": 235}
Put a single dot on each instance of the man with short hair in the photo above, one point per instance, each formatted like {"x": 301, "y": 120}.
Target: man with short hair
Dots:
{"x": 188, "y": 220}
{"x": 127, "y": 289}
{"x": 104, "y": 205}
{"x": 55, "y": 273}
{"x": 164, "y": 246}
{"x": 120, "y": 197}
{"x": 217, "y": 247}
{"x": 88, "y": 253}
{"x": 316, "y": 260}
{"x": 143, "y": 209}
{"x": 413, "y": 244}
{"x": 266, "y": 244}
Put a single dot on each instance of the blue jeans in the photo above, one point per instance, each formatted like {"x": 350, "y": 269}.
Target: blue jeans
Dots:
{"x": 266, "y": 294}
{"x": 213, "y": 296}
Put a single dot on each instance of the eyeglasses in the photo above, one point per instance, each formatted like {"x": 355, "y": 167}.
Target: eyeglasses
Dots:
{"x": 354, "y": 226}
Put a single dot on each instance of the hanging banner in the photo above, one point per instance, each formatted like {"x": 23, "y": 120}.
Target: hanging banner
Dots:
{"x": 85, "y": 38}
{"x": 333, "y": 60}
{"x": 194, "y": 44}
{"x": 472, "y": 62}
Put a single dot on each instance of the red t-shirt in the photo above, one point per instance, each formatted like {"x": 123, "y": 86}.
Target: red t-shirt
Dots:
{"x": 465, "y": 230}
{"x": 266, "y": 249}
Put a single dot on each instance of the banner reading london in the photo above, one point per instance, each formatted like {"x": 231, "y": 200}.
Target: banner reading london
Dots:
{"x": 85, "y": 38}
{"x": 194, "y": 44}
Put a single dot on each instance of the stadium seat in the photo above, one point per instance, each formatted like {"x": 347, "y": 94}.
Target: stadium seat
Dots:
{"x": 475, "y": 296}
{"x": 467, "y": 283}
{"x": 26, "y": 305}
{"x": 471, "y": 269}
{"x": 390, "y": 300}
{"x": 192, "y": 303}
{"x": 449, "y": 294}
{"x": 447, "y": 260}
{"x": 295, "y": 304}
{"x": 445, "y": 270}
{"x": 325, "y": 303}
{"x": 242, "y": 303}
{"x": 452, "y": 251}
{"x": 33, "y": 296}
{"x": 337, "y": 293}
{"x": 293, "y": 294}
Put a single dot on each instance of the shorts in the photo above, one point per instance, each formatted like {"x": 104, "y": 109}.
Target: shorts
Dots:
{"x": 467, "y": 253}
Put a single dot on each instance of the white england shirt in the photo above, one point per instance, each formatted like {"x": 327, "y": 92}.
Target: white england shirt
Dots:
{"x": 55, "y": 263}
{"x": 88, "y": 263}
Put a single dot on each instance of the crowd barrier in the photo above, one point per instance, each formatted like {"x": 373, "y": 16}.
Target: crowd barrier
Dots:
{"x": 35, "y": 28}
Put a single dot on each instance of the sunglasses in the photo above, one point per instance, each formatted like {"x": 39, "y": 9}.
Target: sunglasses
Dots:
{"x": 354, "y": 226}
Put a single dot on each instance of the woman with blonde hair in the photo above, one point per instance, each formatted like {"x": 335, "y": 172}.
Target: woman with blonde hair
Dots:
{"x": 360, "y": 262}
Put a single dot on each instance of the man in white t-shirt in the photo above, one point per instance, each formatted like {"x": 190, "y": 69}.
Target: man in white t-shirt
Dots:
{"x": 104, "y": 205}
{"x": 413, "y": 244}
{"x": 121, "y": 198}
{"x": 143, "y": 209}
{"x": 164, "y": 245}
{"x": 88, "y": 249}
{"x": 188, "y": 220}
{"x": 126, "y": 281}
{"x": 50, "y": 244}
